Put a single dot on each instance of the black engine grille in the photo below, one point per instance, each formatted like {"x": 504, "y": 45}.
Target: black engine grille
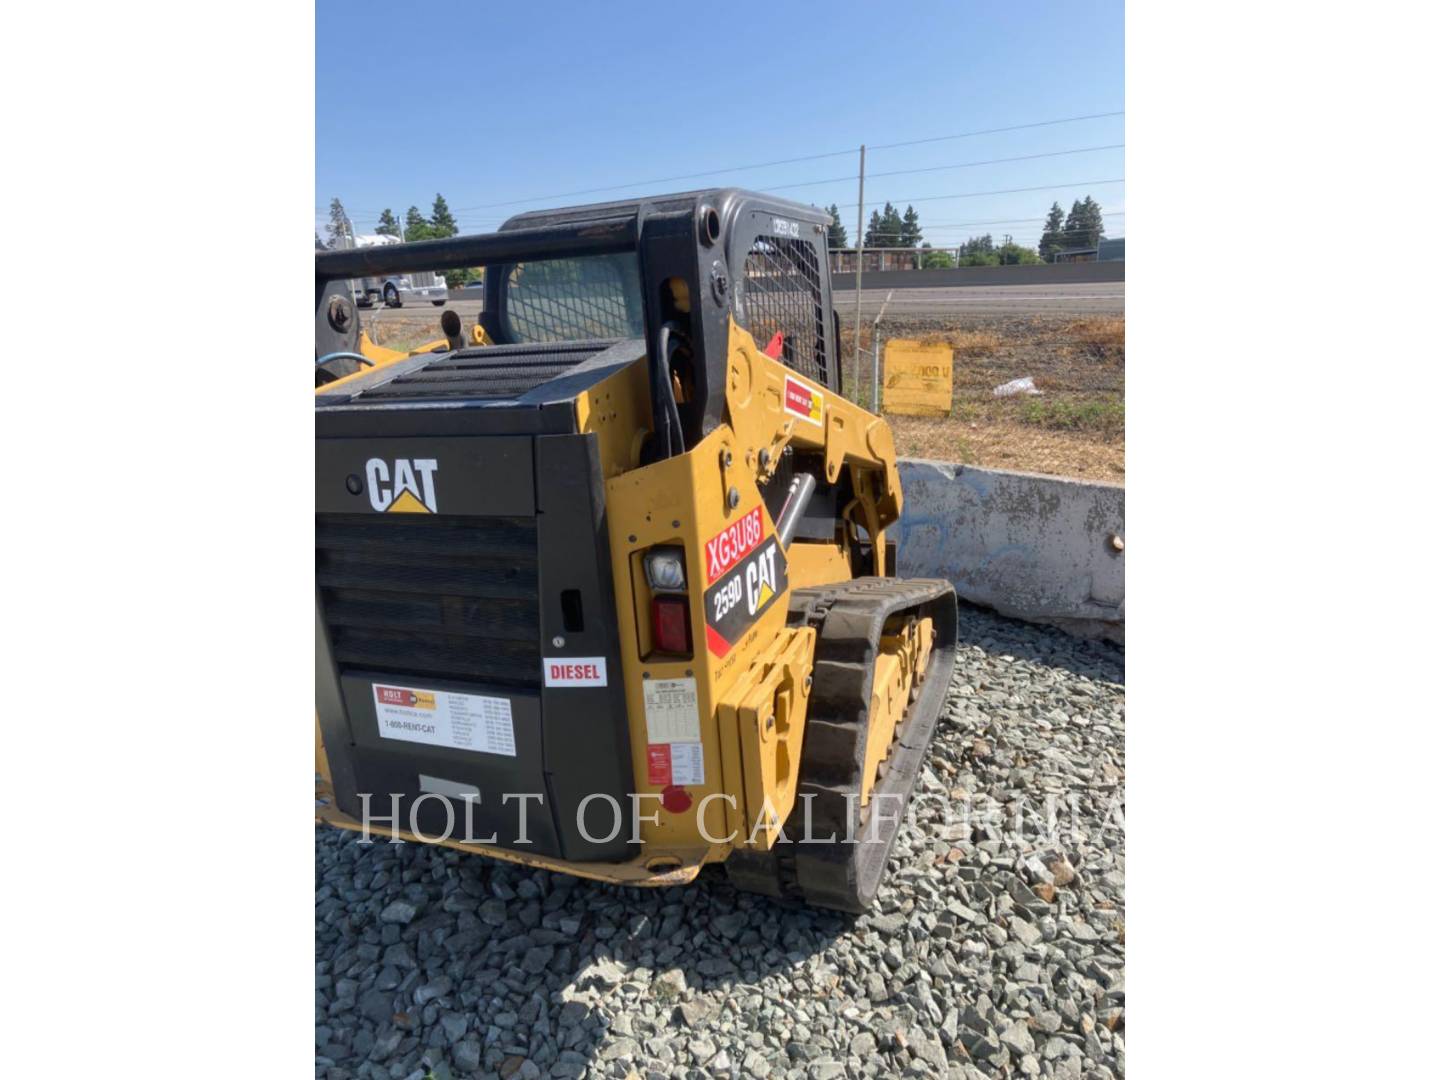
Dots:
{"x": 500, "y": 371}
{"x": 452, "y": 598}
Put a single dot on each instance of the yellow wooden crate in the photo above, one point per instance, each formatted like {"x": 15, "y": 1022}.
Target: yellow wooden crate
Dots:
{"x": 919, "y": 379}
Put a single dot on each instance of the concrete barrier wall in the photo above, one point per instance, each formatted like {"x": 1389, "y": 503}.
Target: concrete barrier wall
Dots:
{"x": 1039, "y": 548}
{"x": 1046, "y": 274}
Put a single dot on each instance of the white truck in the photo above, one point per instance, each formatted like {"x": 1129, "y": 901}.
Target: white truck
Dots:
{"x": 395, "y": 289}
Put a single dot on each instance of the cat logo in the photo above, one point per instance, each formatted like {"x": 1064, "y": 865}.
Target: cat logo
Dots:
{"x": 741, "y": 596}
{"x": 411, "y": 490}
{"x": 760, "y": 580}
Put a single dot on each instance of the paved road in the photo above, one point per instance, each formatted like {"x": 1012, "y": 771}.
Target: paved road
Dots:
{"x": 467, "y": 310}
{"x": 1099, "y": 298}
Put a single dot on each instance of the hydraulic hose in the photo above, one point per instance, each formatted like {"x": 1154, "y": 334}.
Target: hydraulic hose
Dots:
{"x": 668, "y": 434}
{"x": 345, "y": 356}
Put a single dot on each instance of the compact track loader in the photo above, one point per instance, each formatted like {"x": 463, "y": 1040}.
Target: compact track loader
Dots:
{"x": 611, "y": 593}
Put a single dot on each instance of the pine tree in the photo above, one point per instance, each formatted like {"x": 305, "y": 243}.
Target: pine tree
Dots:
{"x": 388, "y": 225}
{"x": 1084, "y": 225}
{"x": 1093, "y": 221}
{"x": 442, "y": 222}
{"x": 891, "y": 227}
{"x": 416, "y": 227}
{"x": 1051, "y": 237}
{"x": 319, "y": 244}
{"x": 339, "y": 230}
{"x": 872, "y": 230}
{"x": 1070, "y": 234}
{"x": 910, "y": 228}
{"x": 837, "y": 238}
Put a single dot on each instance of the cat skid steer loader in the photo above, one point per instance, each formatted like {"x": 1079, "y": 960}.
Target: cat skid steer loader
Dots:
{"x": 611, "y": 593}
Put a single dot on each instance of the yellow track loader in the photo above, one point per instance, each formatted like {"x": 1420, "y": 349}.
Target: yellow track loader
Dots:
{"x": 611, "y": 593}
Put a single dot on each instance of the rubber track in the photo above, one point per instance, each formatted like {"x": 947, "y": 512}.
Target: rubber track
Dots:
{"x": 849, "y": 619}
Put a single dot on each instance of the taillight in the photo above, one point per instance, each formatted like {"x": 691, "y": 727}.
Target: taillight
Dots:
{"x": 665, "y": 569}
{"x": 670, "y": 624}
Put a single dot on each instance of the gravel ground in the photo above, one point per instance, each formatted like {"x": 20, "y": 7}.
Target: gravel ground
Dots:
{"x": 996, "y": 947}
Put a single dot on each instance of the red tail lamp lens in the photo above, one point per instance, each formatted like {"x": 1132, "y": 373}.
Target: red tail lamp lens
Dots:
{"x": 670, "y": 623}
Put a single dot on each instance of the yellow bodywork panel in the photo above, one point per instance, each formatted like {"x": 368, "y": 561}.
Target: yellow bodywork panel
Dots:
{"x": 767, "y": 708}
{"x": 772, "y": 406}
{"x": 683, "y": 502}
{"x": 750, "y": 694}
{"x": 817, "y": 564}
{"x": 617, "y": 411}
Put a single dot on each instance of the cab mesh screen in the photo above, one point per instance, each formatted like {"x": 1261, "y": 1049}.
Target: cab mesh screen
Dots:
{"x": 782, "y": 295}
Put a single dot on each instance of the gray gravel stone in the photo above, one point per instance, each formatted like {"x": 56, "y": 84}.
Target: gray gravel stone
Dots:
{"x": 1018, "y": 1038}
{"x": 399, "y": 911}
{"x": 453, "y": 1025}
{"x": 467, "y": 1055}
{"x": 996, "y": 947}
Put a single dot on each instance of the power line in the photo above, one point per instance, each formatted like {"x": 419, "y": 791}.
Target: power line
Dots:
{"x": 323, "y": 211}
{"x": 1002, "y": 221}
{"x": 943, "y": 168}
{"x": 996, "y": 131}
{"x": 661, "y": 180}
{"x": 1001, "y": 191}
{"x": 788, "y": 161}
{"x": 1013, "y": 221}
{"x": 977, "y": 194}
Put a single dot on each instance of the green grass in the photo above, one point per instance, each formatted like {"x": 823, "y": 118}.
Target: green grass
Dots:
{"x": 1106, "y": 416}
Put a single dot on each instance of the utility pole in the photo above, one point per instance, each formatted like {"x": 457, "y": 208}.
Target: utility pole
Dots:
{"x": 859, "y": 266}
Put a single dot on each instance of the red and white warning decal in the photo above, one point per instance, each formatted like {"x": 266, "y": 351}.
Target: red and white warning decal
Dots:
{"x": 733, "y": 543}
{"x": 575, "y": 671}
{"x": 657, "y": 764}
{"x": 680, "y": 764}
{"x": 803, "y": 401}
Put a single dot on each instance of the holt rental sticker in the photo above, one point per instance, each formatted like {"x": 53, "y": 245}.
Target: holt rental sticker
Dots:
{"x": 445, "y": 718}
{"x": 804, "y": 402}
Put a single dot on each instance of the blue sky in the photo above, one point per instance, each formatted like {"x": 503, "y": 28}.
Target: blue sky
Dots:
{"x": 504, "y": 107}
